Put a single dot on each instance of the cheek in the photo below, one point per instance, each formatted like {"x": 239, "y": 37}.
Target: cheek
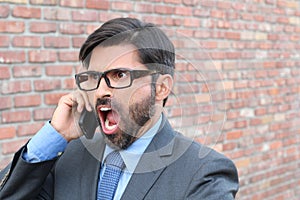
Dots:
{"x": 139, "y": 94}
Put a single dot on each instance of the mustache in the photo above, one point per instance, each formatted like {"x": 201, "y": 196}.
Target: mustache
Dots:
{"x": 103, "y": 101}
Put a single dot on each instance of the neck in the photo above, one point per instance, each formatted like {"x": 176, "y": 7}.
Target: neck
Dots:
{"x": 149, "y": 124}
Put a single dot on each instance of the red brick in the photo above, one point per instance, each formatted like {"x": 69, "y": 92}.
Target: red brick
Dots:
{"x": 43, "y": 114}
{"x": 104, "y": 16}
{"x": 12, "y": 56}
{"x": 173, "y": 1}
{"x": 69, "y": 84}
{"x": 223, "y": 24}
{"x": 122, "y": 5}
{"x": 7, "y": 132}
{"x": 4, "y": 11}
{"x": 42, "y": 56}
{"x": 94, "y": 4}
{"x": 232, "y": 35}
{"x": 201, "y": 12}
{"x": 13, "y": 146}
{"x": 4, "y": 41}
{"x": 13, "y": 87}
{"x": 202, "y": 33}
{"x": 87, "y": 16}
{"x": 27, "y": 41}
{"x": 218, "y": 55}
{"x": 15, "y": 116}
{"x": 74, "y": 29}
{"x": 163, "y": 9}
{"x": 90, "y": 28}
{"x": 43, "y": 27}
{"x": 191, "y": 22}
{"x": 224, "y": 4}
{"x": 12, "y": 27}
{"x": 229, "y": 146}
{"x": 144, "y": 8}
{"x": 185, "y": 33}
{"x": 68, "y": 56}
{"x": 282, "y": 20}
{"x": 26, "y": 12}
{"x": 275, "y": 145}
{"x": 59, "y": 70}
{"x": 44, "y": 2}
{"x": 78, "y": 41}
{"x": 53, "y": 98}
{"x": 217, "y": 14}
{"x": 46, "y": 85}
{"x": 240, "y": 124}
{"x": 173, "y": 21}
{"x": 29, "y": 129}
{"x": 57, "y": 42}
{"x": 4, "y": 73}
{"x": 193, "y": 3}
{"x": 4, "y": 161}
{"x": 185, "y": 11}
{"x": 27, "y": 71}
{"x": 234, "y": 135}
{"x": 5, "y": 102}
{"x": 72, "y": 3}
{"x": 57, "y": 14}
{"x": 207, "y": 3}
{"x": 27, "y": 101}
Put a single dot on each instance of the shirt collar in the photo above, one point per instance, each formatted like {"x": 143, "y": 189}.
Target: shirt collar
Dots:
{"x": 134, "y": 152}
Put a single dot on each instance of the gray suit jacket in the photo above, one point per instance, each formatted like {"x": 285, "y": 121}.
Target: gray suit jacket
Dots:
{"x": 173, "y": 167}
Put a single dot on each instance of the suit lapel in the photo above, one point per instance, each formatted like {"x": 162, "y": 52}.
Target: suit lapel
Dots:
{"x": 152, "y": 163}
{"x": 91, "y": 166}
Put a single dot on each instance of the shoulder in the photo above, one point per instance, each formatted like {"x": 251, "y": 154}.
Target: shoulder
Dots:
{"x": 216, "y": 173}
{"x": 196, "y": 152}
{"x": 185, "y": 149}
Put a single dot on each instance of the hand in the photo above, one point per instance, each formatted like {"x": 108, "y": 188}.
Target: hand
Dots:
{"x": 65, "y": 117}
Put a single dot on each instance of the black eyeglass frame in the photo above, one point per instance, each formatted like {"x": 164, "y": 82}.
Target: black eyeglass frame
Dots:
{"x": 134, "y": 74}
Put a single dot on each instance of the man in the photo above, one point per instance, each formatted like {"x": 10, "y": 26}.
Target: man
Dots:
{"x": 125, "y": 80}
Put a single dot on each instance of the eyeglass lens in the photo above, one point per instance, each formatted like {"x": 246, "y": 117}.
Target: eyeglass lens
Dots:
{"x": 116, "y": 78}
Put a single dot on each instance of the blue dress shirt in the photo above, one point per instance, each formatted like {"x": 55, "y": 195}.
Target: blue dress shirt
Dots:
{"x": 45, "y": 145}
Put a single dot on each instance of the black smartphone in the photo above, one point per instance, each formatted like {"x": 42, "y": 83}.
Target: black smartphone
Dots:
{"x": 88, "y": 123}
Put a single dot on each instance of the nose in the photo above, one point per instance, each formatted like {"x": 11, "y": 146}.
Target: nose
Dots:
{"x": 103, "y": 90}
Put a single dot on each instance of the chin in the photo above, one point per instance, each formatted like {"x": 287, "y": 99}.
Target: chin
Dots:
{"x": 119, "y": 140}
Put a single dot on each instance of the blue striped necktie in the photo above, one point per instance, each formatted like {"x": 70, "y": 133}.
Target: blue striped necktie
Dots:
{"x": 108, "y": 184}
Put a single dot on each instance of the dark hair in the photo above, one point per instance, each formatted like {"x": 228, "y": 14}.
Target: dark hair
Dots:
{"x": 155, "y": 49}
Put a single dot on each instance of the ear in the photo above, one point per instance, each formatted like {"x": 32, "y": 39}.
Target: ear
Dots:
{"x": 164, "y": 85}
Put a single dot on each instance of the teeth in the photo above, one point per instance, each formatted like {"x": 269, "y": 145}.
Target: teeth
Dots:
{"x": 105, "y": 109}
{"x": 108, "y": 126}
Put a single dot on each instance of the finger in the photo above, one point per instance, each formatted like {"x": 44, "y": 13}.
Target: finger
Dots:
{"x": 86, "y": 100}
{"x": 79, "y": 100}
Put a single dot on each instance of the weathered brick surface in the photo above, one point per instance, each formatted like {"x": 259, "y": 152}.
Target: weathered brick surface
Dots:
{"x": 237, "y": 80}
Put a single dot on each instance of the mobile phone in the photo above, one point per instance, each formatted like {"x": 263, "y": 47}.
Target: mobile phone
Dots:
{"x": 88, "y": 123}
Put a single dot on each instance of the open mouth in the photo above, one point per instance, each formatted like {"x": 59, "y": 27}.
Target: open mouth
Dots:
{"x": 109, "y": 119}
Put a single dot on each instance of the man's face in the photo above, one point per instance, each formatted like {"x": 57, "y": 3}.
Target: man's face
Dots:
{"x": 123, "y": 114}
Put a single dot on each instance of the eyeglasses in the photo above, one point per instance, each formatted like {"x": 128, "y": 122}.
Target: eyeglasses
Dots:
{"x": 114, "y": 78}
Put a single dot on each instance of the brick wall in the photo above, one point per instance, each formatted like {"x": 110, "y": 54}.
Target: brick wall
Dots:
{"x": 238, "y": 76}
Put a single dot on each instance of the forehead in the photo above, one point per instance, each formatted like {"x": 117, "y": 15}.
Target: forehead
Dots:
{"x": 111, "y": 57}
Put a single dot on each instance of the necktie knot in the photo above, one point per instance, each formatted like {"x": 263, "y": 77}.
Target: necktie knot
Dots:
{"x": 114, "y": 159}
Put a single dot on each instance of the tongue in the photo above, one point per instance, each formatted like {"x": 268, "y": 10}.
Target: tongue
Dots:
{"x": 112, "y": 117}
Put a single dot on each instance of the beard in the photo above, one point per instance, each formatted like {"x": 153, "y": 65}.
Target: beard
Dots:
{"x": 130, "y": 122}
